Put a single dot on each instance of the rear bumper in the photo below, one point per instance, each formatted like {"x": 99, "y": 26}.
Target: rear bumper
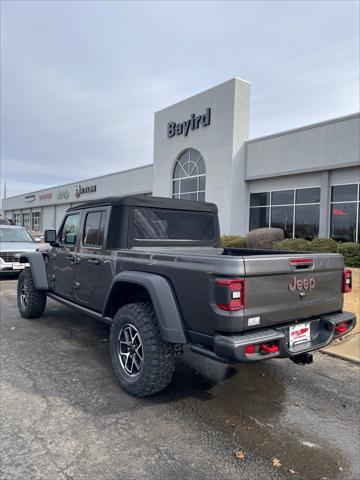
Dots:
{"x": 323, "y": 331}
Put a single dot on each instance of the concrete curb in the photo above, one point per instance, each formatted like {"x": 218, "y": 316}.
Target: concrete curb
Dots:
{"x": 336, "y": 355}
{"x": 346, "y": 349}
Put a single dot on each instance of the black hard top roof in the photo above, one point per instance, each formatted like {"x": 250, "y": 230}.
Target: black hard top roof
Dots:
{"x": 149, "y": 201}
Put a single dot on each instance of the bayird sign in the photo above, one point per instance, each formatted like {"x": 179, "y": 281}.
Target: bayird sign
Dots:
{"x": 193, "y": 123}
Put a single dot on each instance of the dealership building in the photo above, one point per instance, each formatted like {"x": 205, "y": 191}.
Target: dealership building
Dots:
{"x": 305, "y": 180}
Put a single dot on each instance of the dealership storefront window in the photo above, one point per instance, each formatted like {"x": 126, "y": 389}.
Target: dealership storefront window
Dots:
{"x": 26, "y": 220}
{"x": 345, "y": 214}
{"x": 35, "y": 221}
{"x": 296, "y": 211}
{"x": 189, "y": 176}
{"x": 17, "y": 219}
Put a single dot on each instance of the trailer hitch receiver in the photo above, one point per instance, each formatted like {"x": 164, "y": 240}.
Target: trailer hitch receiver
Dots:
{"x": 303, "y": 359}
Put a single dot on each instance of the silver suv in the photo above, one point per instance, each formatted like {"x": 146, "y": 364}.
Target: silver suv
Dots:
{"x": 13, "y": 241}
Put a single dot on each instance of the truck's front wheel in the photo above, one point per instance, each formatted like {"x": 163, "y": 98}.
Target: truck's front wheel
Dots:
{"x": 142, "y": 361}
{"x": 31, "y": 302}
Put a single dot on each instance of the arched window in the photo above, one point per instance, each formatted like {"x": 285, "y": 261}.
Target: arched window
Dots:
{"x": 189, "y": 176}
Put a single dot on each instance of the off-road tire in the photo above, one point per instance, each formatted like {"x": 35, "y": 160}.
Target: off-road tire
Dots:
{"x": 36, "y": 299}
{"x": 158, "y": 356}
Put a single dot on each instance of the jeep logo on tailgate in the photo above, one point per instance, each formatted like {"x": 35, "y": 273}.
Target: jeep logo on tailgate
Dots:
{"x": 301, "y": 284}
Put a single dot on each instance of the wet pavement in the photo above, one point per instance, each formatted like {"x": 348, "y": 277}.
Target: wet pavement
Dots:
{"x": 64, "y": 417}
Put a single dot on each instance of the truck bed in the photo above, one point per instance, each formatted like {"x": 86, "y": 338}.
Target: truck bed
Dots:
{"x": 280, "y": 286}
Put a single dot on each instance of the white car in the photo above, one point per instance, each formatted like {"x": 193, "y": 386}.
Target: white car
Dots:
{"x": 13, "y": 241}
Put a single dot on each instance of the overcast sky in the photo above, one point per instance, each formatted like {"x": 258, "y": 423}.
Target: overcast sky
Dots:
{"x": 80, "y": 81}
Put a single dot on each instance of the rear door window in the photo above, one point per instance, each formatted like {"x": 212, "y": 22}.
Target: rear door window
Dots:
{"x": 94, "y": 229}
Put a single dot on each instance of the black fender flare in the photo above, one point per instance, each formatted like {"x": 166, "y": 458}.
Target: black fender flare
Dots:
{"x": 38, "y": 270}
{"x": 163, "y": 300}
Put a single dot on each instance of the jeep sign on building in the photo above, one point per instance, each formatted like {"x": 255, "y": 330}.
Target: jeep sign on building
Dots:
{"x": 305, "y": 180}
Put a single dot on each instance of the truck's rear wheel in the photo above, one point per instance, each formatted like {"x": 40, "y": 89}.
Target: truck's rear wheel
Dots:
{"x": 31, "y": 302}
{"x": 142, "y": 361}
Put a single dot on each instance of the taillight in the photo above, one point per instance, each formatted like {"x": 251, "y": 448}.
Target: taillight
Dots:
{"x": 230, "y": 293}
{"x": 347, "y": 281}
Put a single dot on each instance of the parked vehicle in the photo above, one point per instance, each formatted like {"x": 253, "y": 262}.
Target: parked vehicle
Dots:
{"x": 154, "y": 270}
{"x": 13, "y": 241}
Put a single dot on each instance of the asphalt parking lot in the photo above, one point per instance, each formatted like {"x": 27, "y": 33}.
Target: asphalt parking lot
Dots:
{"x": 64, "y": 417}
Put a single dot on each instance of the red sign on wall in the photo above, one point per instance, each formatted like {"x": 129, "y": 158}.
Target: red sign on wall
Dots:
{"x": 45, "y": 196}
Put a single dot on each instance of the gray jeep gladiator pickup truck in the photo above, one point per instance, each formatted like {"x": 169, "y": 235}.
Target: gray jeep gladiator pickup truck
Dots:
{"x": 154, "y": 269}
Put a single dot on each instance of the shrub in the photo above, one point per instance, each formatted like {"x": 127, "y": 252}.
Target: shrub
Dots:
{"x": 264, "y": 237}
{"x": 324, "y": 245}
{"x": 351, "y": 253}
{"x": 233, "y": 241}
{"x": 297, "y": 244}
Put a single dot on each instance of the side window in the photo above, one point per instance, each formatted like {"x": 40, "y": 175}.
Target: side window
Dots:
{"x": 70, "y": 230}
{"x": 94, "y": 229}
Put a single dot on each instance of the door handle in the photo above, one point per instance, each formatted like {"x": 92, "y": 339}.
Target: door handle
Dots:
{"x": 71, "y": 258}
{"x": 93, "y": 261}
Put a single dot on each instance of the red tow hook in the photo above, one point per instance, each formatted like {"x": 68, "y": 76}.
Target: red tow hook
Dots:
{"x": 341, "y": 328}
{"x": 269, "y": 348}
{"x": 249, "y": 349}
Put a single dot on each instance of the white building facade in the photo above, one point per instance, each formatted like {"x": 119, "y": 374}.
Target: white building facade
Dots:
{"x": 305, "y": 180}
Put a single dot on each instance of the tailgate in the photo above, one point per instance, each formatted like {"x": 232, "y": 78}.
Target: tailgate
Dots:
{"x": 286, "y": 287}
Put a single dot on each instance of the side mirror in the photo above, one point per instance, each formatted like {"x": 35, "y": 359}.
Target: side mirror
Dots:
{"x": 50, "y": 236}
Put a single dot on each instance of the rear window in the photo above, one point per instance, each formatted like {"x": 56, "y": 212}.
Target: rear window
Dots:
{"x": 173, "y": 225}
